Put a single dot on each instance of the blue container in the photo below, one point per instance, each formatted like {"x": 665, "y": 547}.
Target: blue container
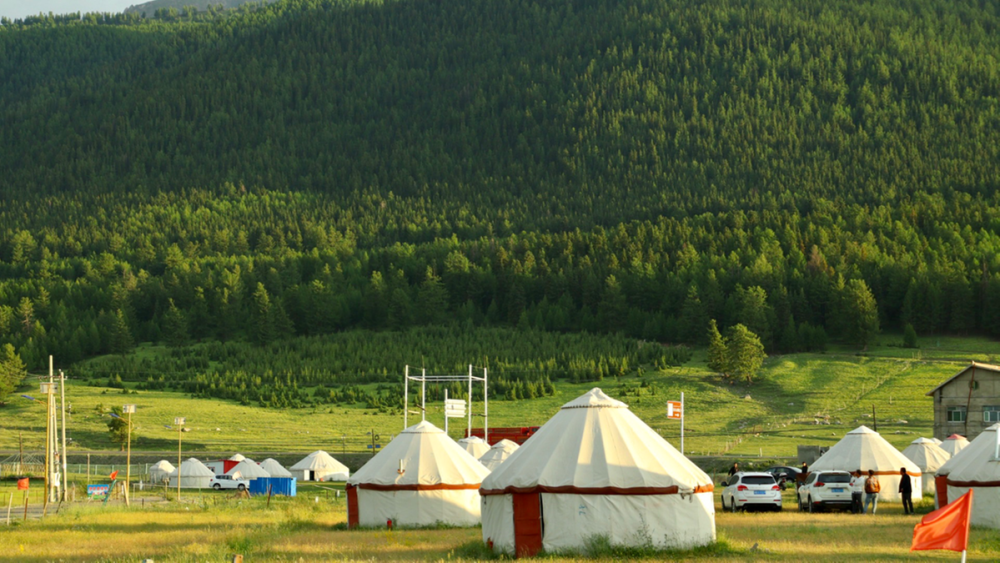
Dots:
{"x": 279, "y": 486}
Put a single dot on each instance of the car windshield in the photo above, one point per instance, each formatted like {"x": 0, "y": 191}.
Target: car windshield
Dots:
{"x": 758, "y": 480}
{"x": 836, "y": 478}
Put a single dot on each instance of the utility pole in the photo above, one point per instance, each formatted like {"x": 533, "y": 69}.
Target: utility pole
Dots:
{"x": 468, "y": 431}
{"x": 129, "y": 409}
{"x": 62, "y": 407}
{"x": 874, "y": 419}
{"x": 179, "y": 421}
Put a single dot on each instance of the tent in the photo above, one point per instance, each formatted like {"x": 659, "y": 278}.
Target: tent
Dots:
{"x": 320, "y": 466}
{"x": 420, "y": 478}
{"x": 865, "y": 449}
{"x": 237, "y": 458}
{"x": 954, "y": 444}
{"x": 159, "y": 471}
{"x": 936, "y": 441}
{"x": 595, "y": 469}
{"x": 274, "y": 468}
{"x": 928, "y": 457}
{"x": 475, "y": 445}
{"x": 247, "y": 469}
{"x": 193, "y": 475}
{"x": 499, "y": 452}
{"x": 975, "y": 467}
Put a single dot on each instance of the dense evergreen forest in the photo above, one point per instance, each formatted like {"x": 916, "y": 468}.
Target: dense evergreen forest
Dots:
{"x": 629, "y": 166}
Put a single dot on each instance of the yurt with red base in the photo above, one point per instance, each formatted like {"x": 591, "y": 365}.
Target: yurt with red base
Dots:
{"x": 865, "y": 449}
{"x": 596, "y": 470}
{"x": 928, "y": 457}
{"x": 975, "y": 467}
{"x": 421, "y": 478}
{"x": 954, "y": 444}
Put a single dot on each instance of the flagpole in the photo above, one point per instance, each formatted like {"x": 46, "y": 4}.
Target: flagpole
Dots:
{"x": 963, "y": 556}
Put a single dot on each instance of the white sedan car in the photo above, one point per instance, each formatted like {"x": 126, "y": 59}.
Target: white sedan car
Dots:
{"x": 751, "y": 490}
{"x": 228, "y": 482}
{"x": 825, "y": 489}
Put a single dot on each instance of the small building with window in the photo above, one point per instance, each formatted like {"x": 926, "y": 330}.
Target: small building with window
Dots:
{"x": 968, "y": 402}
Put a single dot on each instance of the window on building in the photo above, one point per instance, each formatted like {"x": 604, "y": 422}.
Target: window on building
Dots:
{"x": 956, "y": 414}
{"x": 991, "y": 413}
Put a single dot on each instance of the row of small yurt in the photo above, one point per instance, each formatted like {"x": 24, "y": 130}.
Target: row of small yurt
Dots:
{"x": 864, "y": 449}
{"x": 975, "y": 467}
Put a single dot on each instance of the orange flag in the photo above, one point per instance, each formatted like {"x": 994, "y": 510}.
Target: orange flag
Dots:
{"x": 946, "y": 527}
{"x": 114, "y": 474}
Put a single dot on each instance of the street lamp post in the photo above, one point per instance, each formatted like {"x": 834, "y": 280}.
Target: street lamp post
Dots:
{"x": 179, "y": 422}
{"x": 49, "y": 390}
{"x": 128, "y": 409}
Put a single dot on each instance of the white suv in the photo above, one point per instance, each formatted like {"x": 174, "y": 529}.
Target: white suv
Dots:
{"x": 825, "y": 489}
{"x": 228, "y": 482}
{"x": 751, "y": 490}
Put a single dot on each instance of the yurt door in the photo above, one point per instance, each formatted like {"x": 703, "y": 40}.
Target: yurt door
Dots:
{"x": 527, "y": 524}
{"x": 353, "y": 518}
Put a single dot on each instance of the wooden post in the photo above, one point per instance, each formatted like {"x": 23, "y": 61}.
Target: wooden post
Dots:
{"x": 26, "y": 506}
{"x": 62, "y": 408}
{"x": 10, "y": 502}
{"x": 269, "y": 486}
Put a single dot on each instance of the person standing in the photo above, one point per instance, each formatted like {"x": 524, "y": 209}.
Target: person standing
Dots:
{"x": 734, "y": 469}
{"x": 872, "y": 489}
{"x": 857, "y": 492}
{"x": 801, "y": 477}
{"x": 905, "y": 491}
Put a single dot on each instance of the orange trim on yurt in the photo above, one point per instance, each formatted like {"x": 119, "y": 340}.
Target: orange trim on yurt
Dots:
{"x": 419, "y": 487}
{"x": 571, "y": 490}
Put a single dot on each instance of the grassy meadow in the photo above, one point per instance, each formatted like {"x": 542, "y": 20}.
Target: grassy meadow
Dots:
{"x": 214, "y": 526}
{"x": 796, "y": 399}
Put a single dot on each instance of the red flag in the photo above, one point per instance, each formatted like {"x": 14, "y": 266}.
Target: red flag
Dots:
{"x": 946, "y": 527}
{"x": 22, "y": 484}
{"x": 114, "y": 474}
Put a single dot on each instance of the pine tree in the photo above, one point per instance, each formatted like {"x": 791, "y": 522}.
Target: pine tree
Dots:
{"x": 175, "y": 326}
{"x": 12, "y": 371}
{"x": 860, "y": 313}
{"x": 261, "y": 321}
{"x": 745, "y": 353}
{"x": 121, "y": 335}
{"x": 909, "y": 337}
{"x": 716, "y": 349}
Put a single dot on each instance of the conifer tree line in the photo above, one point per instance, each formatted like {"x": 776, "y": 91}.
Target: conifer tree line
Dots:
{"x": 813, "y": 171}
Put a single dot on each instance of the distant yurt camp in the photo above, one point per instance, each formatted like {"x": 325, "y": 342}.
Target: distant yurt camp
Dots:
{"x": 954, "y": 444}
{"x": 865, "y": 449}
{"x": 421, "y": 478}
{"x": 159, "y": 471}
{"x": 247, "y": 469}
{"x": 320, "y": 466}
{"x": 975, "y": 467}
{"x": 928, "y": 457}
{"x": 193, "y": 475}
{"x": 475, "y": 445}
{"x": 596, "y": 470}
{"x": 497, "y": 454}
{"x": 237, "y": 458}
{"x": 274, "y": 468}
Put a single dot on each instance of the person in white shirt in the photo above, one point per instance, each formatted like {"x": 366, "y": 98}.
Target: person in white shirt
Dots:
{"x": 857, "y": 492}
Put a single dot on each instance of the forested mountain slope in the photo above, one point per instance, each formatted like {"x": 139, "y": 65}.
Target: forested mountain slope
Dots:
{"x": 636, "y": 166}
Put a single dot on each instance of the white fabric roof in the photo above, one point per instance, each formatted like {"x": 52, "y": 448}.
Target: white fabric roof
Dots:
{"x": 977, "y": 461}
{"x": 864, "y": 449}
{"x": 320, "y": 461}
{"x": 936, "y": 441}
{"x": 475, "y": 445}
{"x": 497, "y": 454}
{"x": 428, "y": 456}
{"x": 162, "y": 465}
{"x": 248, "y": 470}
{"x": 926, "y": 454}
{"x": 954, "y": 444}
{"x": 274, "y": 468}
{"x": 596, "y": 441}
{"x": 191, "y": 467}
{"x": 237, "y": 457}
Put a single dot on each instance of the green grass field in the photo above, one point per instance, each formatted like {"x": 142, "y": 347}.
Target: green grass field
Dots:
{"x": 796, "y": 399}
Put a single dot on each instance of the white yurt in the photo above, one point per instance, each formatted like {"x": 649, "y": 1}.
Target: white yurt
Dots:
{"x": 193, "y": 474}
{"x": 420, "y": 478}
{"x": 936, "y": 441}
{"x": 247, "y": 469}
{"x": 274, "y": 468}
{"x": 864, "y": 449}
{"x": 475, "y": 445}
{"x": 596, "y": 469}
{"x": 975, "y": 467}
{"x": 159, "y": 471}
{"x": 954, "y": 444}
{"x": 928, "y": 457}
{"x": 320, "y": 466}
{"x": 497, "y": 454}
{"x": 237, "y": 457}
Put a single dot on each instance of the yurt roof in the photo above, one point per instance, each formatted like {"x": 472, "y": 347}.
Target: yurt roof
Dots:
{"x": 237, "y": 457}
{"x": 421, "y": 455}
{"x": 954, "y": 444}
{"x": 498, "y": 453}
{"x": 596, "y": 444}
{"x": 926, "y": 454}
{"x": 191, "y": 467}
{"x": 864, "y": 449}
{"x": 475, "y": 445}
{"x": 936, "y": 441}
{"x": 163, "y": 465}
{"x": 274, "y": 468}
{"x": 248, "y": 470}
{"x": 320, "y": 461}
{"x": 976, "y": 462}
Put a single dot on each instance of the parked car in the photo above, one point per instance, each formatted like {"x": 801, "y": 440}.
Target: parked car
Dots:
{"x": 825, "y": 489}
{"x": 784, "y": 474}
{"x": 751, "y": 490}
{"x": 228, "y": 482}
